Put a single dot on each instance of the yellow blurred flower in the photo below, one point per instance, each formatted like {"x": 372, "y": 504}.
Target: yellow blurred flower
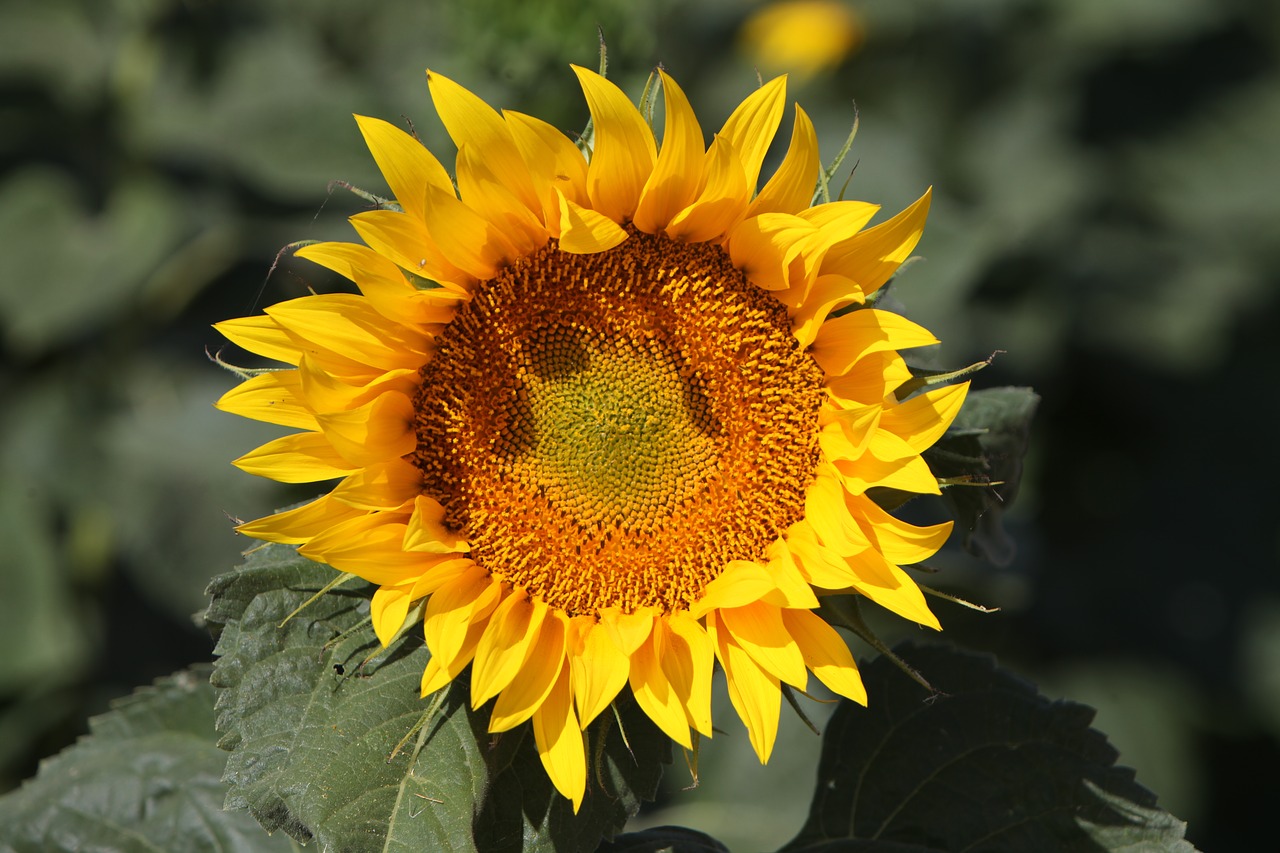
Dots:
{"x": 803, "y": 37}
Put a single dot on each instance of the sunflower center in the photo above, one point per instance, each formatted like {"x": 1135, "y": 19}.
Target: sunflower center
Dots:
{"x": 612, "y": 429}
{"x": 609, "y": 427}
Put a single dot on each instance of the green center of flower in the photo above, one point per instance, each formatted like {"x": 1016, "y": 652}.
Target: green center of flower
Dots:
{"x": 610, "y": 427}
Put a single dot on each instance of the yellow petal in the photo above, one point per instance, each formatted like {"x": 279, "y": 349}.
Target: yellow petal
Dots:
{"x": 555, "y": 165}
{"x": 559, "y": 741}
{"x": 873, "y": 256}
{"x": 381, "y": 485}
{"x": 628, "y": 631}
{"x": 600, "y": 669}
{"x": 756, "y": 695}
{"x": 822, "y": 567}
{"x": 908, "y": 474}
{"x": 846, "y": 339}
{"x": 383, "y": 284}
{"x": 405, "y": 240}
{"x": 623, "y": 150}
{"x": 512, "y": 632}
{"x": 426, "y": 531}
{"x": 378, "y": 431}
{"x": 793, "y": 590}
{"x": 828, "y": 293}
{"x": 473, "y": 124}
{"x": 899, "y": 542}
{"x": 304, "y": 457}
{"x": 849, "y": 431}
{"x": 388, "y": 610}
{"x": 585, "y": 232}
{"x": 440, "y": 570}
{"x": 759, "y": 630}
{"x": 323, "y": 391}
{"x": 272, "y": 398}
{"x": 484, "y": 192}
{"x": 696, "y": 693}
{"x": 826, "y": 654}
{"x": 404, "y": 161}
{"x": 840, "y": 220}
{"x": 889, "y": 447}
{"x": 899, "y": 594}
{"x": 472, "y": 243}
{"x": 453, "y": 607}
{"x": 871, "y": 380}
{"x": 349, "y": 326}
{"x": 750, "y": 128}
{"x": 652, "y": 690}
{"x": 261, "y": 336}
{"x": 827, "y": 513}
{"x": 368, "y": 546}
{"x": 295, "y": 526}
{"x": 720, "y": 204}
{"x": 740, "y": 583}
{"x": 533, "y": 681}
{"x": 769, "y": 250}
{"x": 440, "y": 672}
{"x": 677, "y": 177}
{"x": 791, "y": 188}
{"x": 922, "y": 420}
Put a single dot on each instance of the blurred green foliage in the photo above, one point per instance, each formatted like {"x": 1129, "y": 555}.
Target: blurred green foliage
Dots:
{"x": 1104, "y": 211}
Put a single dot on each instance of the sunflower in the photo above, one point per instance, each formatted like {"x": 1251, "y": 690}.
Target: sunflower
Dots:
{"x": 603, "y": 420}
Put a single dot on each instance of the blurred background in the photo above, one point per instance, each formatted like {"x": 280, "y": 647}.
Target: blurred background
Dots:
{"x": 1106, "y": 213}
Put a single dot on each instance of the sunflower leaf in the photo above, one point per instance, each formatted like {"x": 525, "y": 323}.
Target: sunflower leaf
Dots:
{"x": 985, "y": 445}
{"x": 312, "y": 724}
{"x": 146, "y": 778}
{"x": 664, "y": 839}
{"x": 988, "y": 764}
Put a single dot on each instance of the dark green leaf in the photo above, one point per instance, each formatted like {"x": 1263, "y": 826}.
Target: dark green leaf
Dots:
{"x": 986, "y": 443}
{"x": 986, "y": 764}
{"x": 664, "y": 839}
{"x": 310, "y": 746}
{"x": 147, "y": 779}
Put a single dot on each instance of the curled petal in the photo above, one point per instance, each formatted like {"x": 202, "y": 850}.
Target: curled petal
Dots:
{"x": 841, "y": 342}
{"x": 874, "y": 255}
{"x": 623, "y": 150}
{"x": 678, "y": 176}
{"x": 921, "y": 420}
{"x": 378, "y": 431}
{"x": 585, "y": 232}
{"x": 751, "y": 126}
{"x": 791, "y": 188}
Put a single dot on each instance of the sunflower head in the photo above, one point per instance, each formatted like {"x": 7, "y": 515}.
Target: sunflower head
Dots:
{"x": 613, "y": 414}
